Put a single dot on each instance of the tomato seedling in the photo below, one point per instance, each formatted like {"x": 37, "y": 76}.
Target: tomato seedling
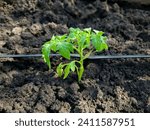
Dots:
{"x": 80, "y": 41}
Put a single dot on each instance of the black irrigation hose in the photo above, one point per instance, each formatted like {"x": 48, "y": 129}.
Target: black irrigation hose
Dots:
{"x": 76, "y": 56}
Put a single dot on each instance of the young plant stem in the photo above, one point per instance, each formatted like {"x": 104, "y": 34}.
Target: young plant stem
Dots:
{"x": 81, "y": 69}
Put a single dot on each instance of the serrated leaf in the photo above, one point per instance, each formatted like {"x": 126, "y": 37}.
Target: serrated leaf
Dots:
{"x": 64, "y": 53}
{"x": 87, "y": 43}
{"x": 105, "y": 46}
{"x": 71, "y": 36}
{"x": 46, "y": 53}
{"x": 99, "y": 41}
{"x": 53, "y": 46}
{"x": 72, "y": 66}
{"x": 59, "y": 70}
{"x": 66, "y": 71}
{"x": 74, "y": 33}
{"x": 81, "y": 40}
{"x": 61, "y": 38}
{"x": 69, "y": 46}
{"x": 75, "y": 30}
{"x": 103, "y": 41}
{"x": 96, "y": 41}
{"x": 100, "y": 33}
{"x": 64, "y": 49}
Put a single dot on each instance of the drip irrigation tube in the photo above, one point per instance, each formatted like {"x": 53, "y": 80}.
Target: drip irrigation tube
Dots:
{"x": 76, "y": 56}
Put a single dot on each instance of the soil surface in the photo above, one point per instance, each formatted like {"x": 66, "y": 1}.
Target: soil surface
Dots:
{"x": 26, "y": 85}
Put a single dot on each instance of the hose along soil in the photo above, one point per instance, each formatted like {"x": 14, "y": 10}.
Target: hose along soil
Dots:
{"x": 94, "y": 57}
{"x": 120, "y": 85}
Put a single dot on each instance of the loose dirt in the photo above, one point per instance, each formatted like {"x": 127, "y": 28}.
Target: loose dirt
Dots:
{"x": 26, "y": 85}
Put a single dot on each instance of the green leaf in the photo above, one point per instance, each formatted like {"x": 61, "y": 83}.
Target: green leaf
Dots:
{"x": 53, "y": 46}
{"x": 75, "y": 30}
{"x": 96, "y": 41}
{"x": 52, "y": 43}
{"x": 61, "y": 38}
{"x": 105, "y": 46}
{"x": 99, "y": 41}
{"x": 46, "y": 53}
{"x": 88, "y": 40}
{"x": 72, "y": 66}
{"x": 74, "y": 34}
{"x": 66, "y": 71}
{"x": 64, "y": 53}
{"x": 103, "y": 41}
{"x": 64, "y": 49}
{"x": 100, "y": 33}
{"x": 59, "y": 70}
{"x": 81, "y": 41}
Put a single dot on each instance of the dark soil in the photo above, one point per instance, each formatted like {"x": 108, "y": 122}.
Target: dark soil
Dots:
{"x": 26, "y": 85}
